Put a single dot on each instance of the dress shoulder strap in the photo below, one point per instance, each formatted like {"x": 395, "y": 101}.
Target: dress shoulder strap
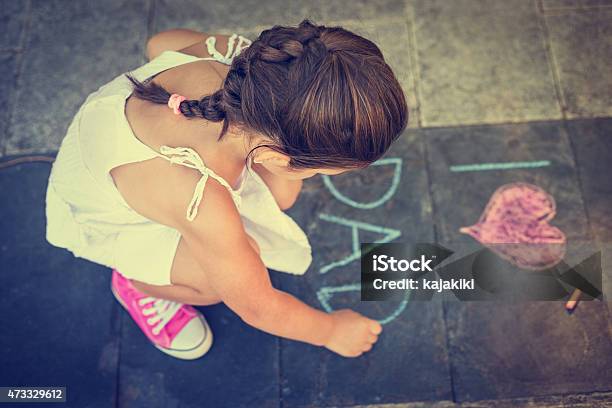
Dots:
{"x": 170, "y": 59}
{"x": 232, "y": 50}
{"x": 190, "y": 158}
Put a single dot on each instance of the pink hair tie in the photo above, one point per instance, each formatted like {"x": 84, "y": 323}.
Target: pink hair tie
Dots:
{"x": 174, "y": 102}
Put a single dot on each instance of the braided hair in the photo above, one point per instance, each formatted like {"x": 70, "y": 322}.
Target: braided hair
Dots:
{"x": 323, "y": 96}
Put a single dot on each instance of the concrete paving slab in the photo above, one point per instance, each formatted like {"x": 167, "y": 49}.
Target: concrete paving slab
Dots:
{"x": 73, "y": 48}
{"x": 223, "y": 17}
{"x": 510, "y": 355}
{"x": 562, "y": 4}
{"x": 528, "y": 349}
{"x": 59, "y": 320}
{"x": 589, "y": 400}
{"x": 592, "y": 143}
{"x": 409, "y": 361}
{"x": 465, "y": 172}
{"x": 474, "y": 66}
{"x": 240, "y": 370}
{"x": 581, "y": 43}
{"x": 13, "y": 15}
{"x": 7, "y": 89}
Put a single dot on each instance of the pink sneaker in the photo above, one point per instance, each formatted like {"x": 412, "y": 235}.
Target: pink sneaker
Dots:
{"x": 174, "y": 328}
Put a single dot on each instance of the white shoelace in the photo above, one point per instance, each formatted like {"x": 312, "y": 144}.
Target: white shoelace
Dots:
{"x": 162, "y": 310}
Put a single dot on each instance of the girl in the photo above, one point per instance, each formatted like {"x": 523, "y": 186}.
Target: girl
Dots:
{"x": 183, "y": 194}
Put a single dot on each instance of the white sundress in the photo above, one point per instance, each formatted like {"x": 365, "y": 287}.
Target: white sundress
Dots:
{"x": 87, "y": 215}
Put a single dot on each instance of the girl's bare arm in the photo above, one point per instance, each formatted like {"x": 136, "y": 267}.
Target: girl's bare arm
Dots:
{"x": 219, "y": 243}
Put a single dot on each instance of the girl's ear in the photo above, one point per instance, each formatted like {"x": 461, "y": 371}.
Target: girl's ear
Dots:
{"x": 269, "y": 156}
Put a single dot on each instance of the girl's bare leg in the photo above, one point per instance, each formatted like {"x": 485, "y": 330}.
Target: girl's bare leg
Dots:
{"x": 190, "y": 285}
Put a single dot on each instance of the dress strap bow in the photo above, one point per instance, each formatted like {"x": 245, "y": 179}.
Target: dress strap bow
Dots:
{"x": 190, "y": 158}
{"x": 243, "y": 42}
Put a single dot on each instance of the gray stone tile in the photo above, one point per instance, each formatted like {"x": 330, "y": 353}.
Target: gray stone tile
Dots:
{"x": 231, "y": 15}
{"x": 591, "y": 400}
{"x": 224, "y": 17}
{"x": 592, "y": 143}
{"x": 461, "y": 196}
{"x": 504, "y": 350}
{"x": 581, "y": 43}
{"x": 12, "y": 20}
{"x": 474, "y": 65}
{"x": 240, "y": 369}
{"x": 73, "y": 48}
{"x": 562, "y": 4}
{"x": 360, "y": 10}
{"x": 7, "y": 87}
{"x": 60, "y": 326}
{"x": 413, "y": 339}
{"x": 413, "y": 343}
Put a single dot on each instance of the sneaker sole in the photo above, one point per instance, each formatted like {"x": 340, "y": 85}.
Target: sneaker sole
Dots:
{"x": 189, "y": 354}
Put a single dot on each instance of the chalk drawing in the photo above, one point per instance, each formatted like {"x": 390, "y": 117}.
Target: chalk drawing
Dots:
{"x": 327, "y": 292}
{"x": 396, "y": 161}
{"x": 499, "y": 166}
{"x": 389, "y": 235}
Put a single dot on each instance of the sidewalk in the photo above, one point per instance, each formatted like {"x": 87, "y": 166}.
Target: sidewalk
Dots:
{"x": 513, "y": 81}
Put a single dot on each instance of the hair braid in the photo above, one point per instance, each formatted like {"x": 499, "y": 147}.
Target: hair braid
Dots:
{"x": 209, "y": 107}
{"x": 275, "y": 48}
{"x": 323, "y": 96}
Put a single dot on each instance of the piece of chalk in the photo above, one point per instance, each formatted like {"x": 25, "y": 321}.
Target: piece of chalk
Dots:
{"x": 572, "y": 302}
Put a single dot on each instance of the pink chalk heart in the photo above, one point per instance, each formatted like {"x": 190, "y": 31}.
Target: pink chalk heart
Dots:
{"x": 518, "y": 216}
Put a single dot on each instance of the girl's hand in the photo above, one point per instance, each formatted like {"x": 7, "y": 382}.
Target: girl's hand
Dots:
{"x": 352, "y": 333}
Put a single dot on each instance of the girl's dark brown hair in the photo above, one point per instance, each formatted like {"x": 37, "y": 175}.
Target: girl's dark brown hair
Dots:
{"x": 324, "y": 96}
